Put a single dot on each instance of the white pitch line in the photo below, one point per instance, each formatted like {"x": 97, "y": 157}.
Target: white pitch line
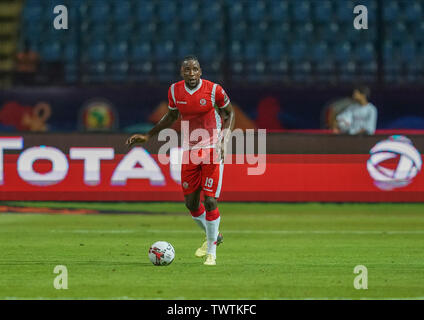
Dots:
{"x": 282, "y": 232}
{"x": 298, "y": 231}
{"x": 202, "y": 298}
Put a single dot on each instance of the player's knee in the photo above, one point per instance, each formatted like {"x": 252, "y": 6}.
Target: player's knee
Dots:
{"x": 192, "y": 204}
{"x": 210, "y": 203}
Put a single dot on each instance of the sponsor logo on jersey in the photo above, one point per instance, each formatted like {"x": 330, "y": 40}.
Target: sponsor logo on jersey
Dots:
{"x": 185, "y": 184}
{"x": 182, "y": 102}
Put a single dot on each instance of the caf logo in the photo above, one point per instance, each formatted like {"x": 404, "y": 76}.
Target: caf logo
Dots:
{"x": 185, "y": 184}
{"x": 400, "y": 151}
{"x": 202, "y": 102}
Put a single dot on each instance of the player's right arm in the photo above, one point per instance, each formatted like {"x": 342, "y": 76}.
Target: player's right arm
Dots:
{"x": 167, "y": 121}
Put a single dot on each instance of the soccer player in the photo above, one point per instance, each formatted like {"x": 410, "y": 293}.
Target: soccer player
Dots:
{"x": 204, "y": 105}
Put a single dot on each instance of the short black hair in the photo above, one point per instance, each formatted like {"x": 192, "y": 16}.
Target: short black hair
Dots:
{"x": 364, "y": 90}
{"x": 190, "y": 57}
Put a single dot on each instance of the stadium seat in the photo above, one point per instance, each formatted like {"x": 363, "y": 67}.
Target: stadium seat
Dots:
{"x": 304, "y": 31}
{"x": 118, "y": 71}
{"x": 213, "y": 32}
{"x": 320, "y": 51}
{"x": 167, "y": 11}
{"x": 187, "y": 11}
{"x": 274, "y": 51}
{"x": 51, "y": 52}
{"x": 238, "y": 31}
{"x": 95, "y": 52}
{"x": 365, "y": 53}
{"x": 141, "y": 51}
{"x": 118, "y": 52}
{"x": 211, "y": 11}
{"x": 391, "y": 11}
{"x": 322, "y": 11}
{"x": 407, "y": 51}
{"x": 301, "y": 11}
{"x": 121, "y": 11}
{"x": 252, "y": 51}
{"x": 256, "y": 11}
{"x": 413, "y": 12}
{"x": 144, "y": 11}
{"x": 297, "y": 51}
{"x": 209, "y": 50}
{"x": 236, "y": 50}
{"x": 164, "y": 51}
{"x": 236, "y": 12}
{"x": 342, "y": 52}
{"x": 70, "y": 53}
{"x": 99, "y": 14}
{"x": 167, "y": 31}
{"x": 278, "y": 11}
{"x": 344, "y": 10}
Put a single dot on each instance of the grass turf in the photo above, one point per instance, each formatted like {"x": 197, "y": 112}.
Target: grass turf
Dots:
{"x": 270, "y": 251}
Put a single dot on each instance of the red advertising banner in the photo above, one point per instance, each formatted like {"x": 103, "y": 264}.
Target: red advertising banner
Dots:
{"x": 287, "y": 178}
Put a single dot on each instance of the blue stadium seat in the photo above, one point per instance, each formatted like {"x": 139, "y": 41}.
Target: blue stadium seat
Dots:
{"x": 71, "y": 72}
{"x": 238, "y": 31}
{"x": 396, "y": 32}
{"x": 347, "y": 71}
{"x": 213, "y": 32}
{"x": 167, "y": 31}
{"x": 236, "y": 51}
{"x": 342, "y": 52}
{"x": 32, "y": 13}
{"x": 51, "y": 51}
{"x": 391, "y": 11}
{"x": 257, "y": 31}
{"x": 413, "y": 12}
{"x": 145, "y": 31}
{"x": 144, "y": 11}
{"x": 70, "y": 52}
{"x": 164, "y": 51}
{"x": 209, "y": 51}
{"x": 320, "y": 52}
{"x": 344, "y": 11}
{"x": 418, "y": 31}
{"x": 252, "y": 51}
{"x": 94, "y": 72}
{"x": 167, "y": 11}
{"x": 121, "y": 11}
{"x": 322, "y": 11}
{"x": 329, "y": 32}
{"x": 280, "y": 31}
{"x": 118, "y": 71}
{"x": 98, "y": 31}
{"x": 191, "y": 31}
{"x": 96, "y": 51}
{"x": 211, "y": 12}
{"x": 256, "y": 11}
{"x": 274, "y": 51}
{"x": 301, "y": 11}
{"x": 297, "y": 51}
{"x": 278, "y": 11}
{"x": 122, "y": 30}
{"x": 185, "y": 48}
{"x": 117, "y": 51}
{"x": 304, "y": 31}
{"x": 236, "y": 12}
{"x": 365, "y": 53}
{"x": 408, "y": 51}
{"x": 141, "y": 51}
{"x": 100, "y": 14}
{"x": 188, "y": 11}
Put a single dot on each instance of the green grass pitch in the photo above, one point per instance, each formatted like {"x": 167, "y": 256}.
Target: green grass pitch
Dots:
{"x": 270, "y": 251}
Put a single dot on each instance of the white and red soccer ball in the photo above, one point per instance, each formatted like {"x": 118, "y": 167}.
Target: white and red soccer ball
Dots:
{"x": 161, "y": 253}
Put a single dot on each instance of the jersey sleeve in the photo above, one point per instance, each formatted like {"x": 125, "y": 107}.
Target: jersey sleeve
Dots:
{"x": 171, "y": 98}
{"x": 221, "y": 98}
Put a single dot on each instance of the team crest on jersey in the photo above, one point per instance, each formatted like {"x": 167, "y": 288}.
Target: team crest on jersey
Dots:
{"x": 203, "y": 102}
{"x": 185, "y": 184}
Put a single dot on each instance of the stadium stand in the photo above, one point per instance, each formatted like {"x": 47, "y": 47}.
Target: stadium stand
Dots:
{"x": 261, "y": 40}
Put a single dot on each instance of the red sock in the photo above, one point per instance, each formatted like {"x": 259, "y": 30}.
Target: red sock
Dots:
{"x": 212, "y": 215}
{"x": 199, "y": 211}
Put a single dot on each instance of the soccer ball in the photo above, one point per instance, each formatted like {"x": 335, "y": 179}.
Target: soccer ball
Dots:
{"x": 161, "y": 253}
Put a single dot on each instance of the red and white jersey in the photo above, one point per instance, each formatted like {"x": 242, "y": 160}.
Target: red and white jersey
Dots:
{"x": 197, "y": 106}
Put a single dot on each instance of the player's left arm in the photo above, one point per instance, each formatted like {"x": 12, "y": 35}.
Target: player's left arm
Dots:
{"x": 227, "y": 114}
